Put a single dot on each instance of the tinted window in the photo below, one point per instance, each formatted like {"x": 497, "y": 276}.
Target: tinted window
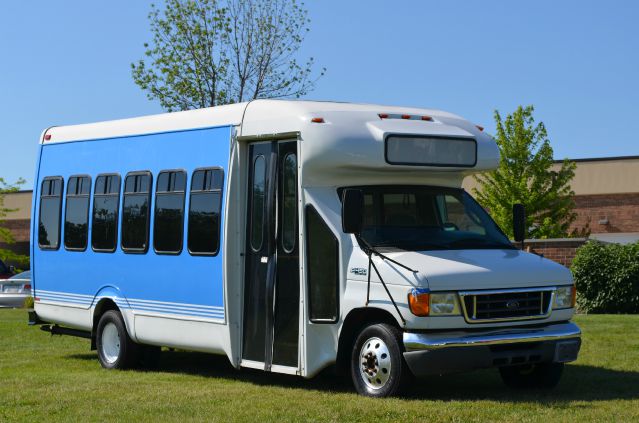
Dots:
{"x": 169, "y": 212}
{"x": 258, "y": 195}
{"x": 289, "y": 200}
{"x": 135, "y": 212}
{"x": 105, "y": 213}
{"x": 204, "y": 211}
{"x": 50, "y": 210}
{"x": 76, "y": 216}
{"x": 322, "y": 262}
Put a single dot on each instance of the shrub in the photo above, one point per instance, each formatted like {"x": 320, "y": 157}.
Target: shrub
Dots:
{"x": 607, "y": 277}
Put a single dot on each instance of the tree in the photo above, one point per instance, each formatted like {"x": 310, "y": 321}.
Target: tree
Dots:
{"x": 210, "y": 52}
{"x": 525, "y": 175}
{"x": 6, "y": 237}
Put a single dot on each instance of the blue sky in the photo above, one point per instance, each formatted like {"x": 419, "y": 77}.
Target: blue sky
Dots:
{"x": 577, "y": 62}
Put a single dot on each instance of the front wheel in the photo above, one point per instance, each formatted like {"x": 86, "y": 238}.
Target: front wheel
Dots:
{"x": 540, "y": 376}
{"x": 378, "y": 368}
{"x": 115, "y": 349}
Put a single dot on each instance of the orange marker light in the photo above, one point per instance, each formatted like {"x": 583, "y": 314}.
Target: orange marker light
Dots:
{"x": 573, "y": 297}
{"x": 317, "y": 120}
{"x": 481, "y": 128}
{"x": 383, "y": 115}
{"x": 419, "y": 302}
{"x": 47, "y": 137}
{"x": 427, "y": 118}
{"x": 405, "y": 116}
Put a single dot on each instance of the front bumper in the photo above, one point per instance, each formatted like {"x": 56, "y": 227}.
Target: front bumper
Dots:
{"x": 450, "y": 352}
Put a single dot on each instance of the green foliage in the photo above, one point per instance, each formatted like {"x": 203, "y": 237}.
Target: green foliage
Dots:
{"x": 607, "y": 277}
{"x": 211, "y": 52}
{"x": 6, "y": 237}
{"x": 525, "y": 175}
{"x": 28, "y": 303}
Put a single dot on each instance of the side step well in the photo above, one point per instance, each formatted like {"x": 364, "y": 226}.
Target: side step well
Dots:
{"x": 59, "y": 330}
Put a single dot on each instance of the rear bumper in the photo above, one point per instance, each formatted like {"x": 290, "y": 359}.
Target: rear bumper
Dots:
{"x": 450, "y": 352}
{"x": 13, "y": 300}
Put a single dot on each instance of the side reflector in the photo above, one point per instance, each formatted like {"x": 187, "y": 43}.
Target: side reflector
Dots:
{"x": 573, "y": 299}
{"x": 47, "y": 137}
{"x": 317, "y": 120}
{"x": 419, "y": 302}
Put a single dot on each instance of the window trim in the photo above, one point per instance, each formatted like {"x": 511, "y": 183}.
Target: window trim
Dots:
{"x": 295, "y": 223}
{"x": 449, "y": 137}
{"x": 264, "y": 210}
{"x": 66, "y": 204}
{"x": 51, "y": 178}
{"x": 117, "y": 212}
{"x": 219, "y": 223}
{"x": 307, "y": 208}
{"x": 155, "y": 209}
{"x": 128, "y": 250}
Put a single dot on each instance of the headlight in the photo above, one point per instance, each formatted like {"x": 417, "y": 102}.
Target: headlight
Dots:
{"x": 565, "y": 297}
{"x": 422, "y": 302}
{"x": 443, "y": 304}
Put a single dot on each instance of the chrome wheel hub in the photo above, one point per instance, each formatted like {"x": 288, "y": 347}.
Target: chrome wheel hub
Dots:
{"x": 375, "y": 363}
{"x": 110, "y": 343}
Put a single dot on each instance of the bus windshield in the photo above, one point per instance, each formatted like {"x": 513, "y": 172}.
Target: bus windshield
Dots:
{"x": 419, "y": 218}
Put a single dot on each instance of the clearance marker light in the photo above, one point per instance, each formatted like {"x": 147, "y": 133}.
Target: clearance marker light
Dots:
{"x": 317, "y": 120}
{"x": 481, "y": 128}
{"x": 47, "y": 137}
{"x": 424, "y": 118}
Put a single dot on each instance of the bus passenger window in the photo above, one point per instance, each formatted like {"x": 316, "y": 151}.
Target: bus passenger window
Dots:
{"x": 322, "y": 264}
{"x": 204, "y": 212}
{"x": 169, "y": 212}
{"x": 76, "y": 215}
{"x": 106, "y": 198}
{"x": 50, "y": 210}
{"x": 135, "y": 212}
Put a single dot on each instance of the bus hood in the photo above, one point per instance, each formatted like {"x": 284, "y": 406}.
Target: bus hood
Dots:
{"x": 479, "y": 269}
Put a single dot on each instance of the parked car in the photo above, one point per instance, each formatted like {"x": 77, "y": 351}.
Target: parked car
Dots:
{"x": 5, "y": 271}
{"x": 15, "y": 290}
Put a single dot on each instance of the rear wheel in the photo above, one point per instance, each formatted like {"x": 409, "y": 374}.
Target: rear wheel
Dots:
{"x": 540, "y": 376}
{"x": 378, "y": 368}
{"x": 115, "y": 349}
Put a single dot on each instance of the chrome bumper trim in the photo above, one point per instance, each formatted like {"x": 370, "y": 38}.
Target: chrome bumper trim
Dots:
{"x": 433, "y": 341}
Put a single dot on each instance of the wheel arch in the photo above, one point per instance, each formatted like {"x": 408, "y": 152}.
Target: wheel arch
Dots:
{"x": 355, "y": 320}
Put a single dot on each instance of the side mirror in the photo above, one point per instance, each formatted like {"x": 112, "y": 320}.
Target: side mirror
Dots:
{"x": 352, "y": 210}
{"x": 519, "y": 222}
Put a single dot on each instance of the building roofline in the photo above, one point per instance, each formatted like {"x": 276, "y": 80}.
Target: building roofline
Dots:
{"x": 601, "y": 159}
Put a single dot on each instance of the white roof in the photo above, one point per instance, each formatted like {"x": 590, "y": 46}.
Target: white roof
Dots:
{"x": 255, "y": 117}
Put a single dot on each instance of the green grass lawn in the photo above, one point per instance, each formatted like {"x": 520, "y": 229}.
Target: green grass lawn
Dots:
{"x": 58, "y": 378}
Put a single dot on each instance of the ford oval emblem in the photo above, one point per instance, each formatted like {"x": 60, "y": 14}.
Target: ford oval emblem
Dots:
{"x": 512, "y": 304}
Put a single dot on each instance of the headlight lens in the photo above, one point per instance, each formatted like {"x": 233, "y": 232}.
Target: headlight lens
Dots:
{"x": 565, "y": 297}
{"x": 443, "y": 304}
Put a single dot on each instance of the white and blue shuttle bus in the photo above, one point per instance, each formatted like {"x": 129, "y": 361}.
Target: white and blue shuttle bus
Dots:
{"x": 290, "y": 236}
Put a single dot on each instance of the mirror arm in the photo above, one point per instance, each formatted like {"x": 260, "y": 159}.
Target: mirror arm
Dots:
{"x": 369, "y": 252}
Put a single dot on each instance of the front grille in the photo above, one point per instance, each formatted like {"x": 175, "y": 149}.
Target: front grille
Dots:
{"x": 506, "y": 305}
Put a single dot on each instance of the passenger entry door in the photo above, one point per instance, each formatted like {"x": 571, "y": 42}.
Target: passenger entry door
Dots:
{"x": 271, "y": 280}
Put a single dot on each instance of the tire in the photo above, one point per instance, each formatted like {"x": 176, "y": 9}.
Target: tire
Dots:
{"x": 377, "y": 366}
{"x": 115, "y": 349}
{"x": 533, "y": 376}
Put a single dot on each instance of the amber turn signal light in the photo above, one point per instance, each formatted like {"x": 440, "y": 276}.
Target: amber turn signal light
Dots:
{"x": 419, "y": 302}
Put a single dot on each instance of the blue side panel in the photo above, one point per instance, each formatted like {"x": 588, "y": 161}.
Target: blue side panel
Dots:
{"x": 172, "y": 284}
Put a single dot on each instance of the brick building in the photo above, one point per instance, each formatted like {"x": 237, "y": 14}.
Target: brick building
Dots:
{"x": 606, "y": 202}
{"x": 606, "y": 199}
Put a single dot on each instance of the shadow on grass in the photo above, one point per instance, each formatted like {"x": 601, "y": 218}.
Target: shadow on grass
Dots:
{"x": 579, "y": 382}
